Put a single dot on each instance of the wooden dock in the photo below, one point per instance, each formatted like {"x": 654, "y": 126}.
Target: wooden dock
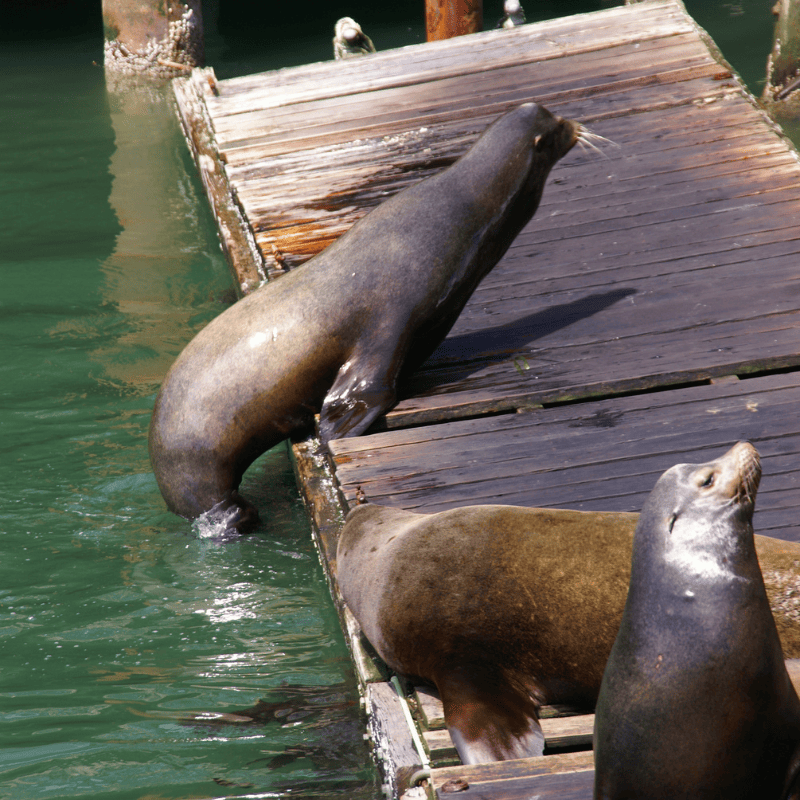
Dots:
{"x": 648, "y": 315}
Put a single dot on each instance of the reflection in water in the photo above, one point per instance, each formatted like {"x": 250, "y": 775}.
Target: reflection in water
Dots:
{"x": 330, "y": 736}
{"x": 154, "y": 199}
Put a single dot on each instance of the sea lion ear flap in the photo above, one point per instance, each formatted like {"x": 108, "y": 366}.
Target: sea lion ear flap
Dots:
{"x": 537, "y": 141}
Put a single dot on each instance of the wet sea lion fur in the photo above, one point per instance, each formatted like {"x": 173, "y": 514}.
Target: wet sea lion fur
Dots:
{"x": 334, "y": 335}
{"x": 507, "y": 608}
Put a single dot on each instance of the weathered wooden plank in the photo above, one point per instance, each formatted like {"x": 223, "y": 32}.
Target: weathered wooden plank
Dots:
{"x": 504, "y": 774}
{"x": 346, "y": 205}
{"x": 560, "y": 733}
{"x": 326, "y": 512}
{"x": 391, "y": 735}
{"x": 441, "y": 748}
{"x": 539, "y": 280}
{"x": 665, "y": 52}
{"x": 626, "y": 492}
{"x": 643, "y": 332}
{"x": 522, "y": 779}
{"x": 626, "y": 201}
{"x": 758, "y": 212}
{"x": 495, "y": 390}
{"x": 559, "y": 89}
{"x": 577, "y": 77}
{"x": 324, "y": 506}
{"x": 630, "y": 494}
{"x": 650, "y": 130}
{"x": 665, "y": 62}
{"x": 654, "y": 133}
{"x": 602, "y": 251}
{"x": 235, "y": 233}
{"x": 587, "y": 105}
{"x": 430, "y": 707}
{"x": 431, "y": 711}
{"x": 559, "y": 326}
{"x": 420, "y": 63}
{"x": 601, "y": 474}
{"x": 603, "y": 455}
{"x": 725, "y": 397}
{"x": 699, "y": 182}
{"x": 617, "y": 209}
{"x": 609, "y": 224}
{"x": 485, "y": 780}
{"x": 666, "y": 172}
{"x": 752, "y": 414}
{"x": 589, "y": 253}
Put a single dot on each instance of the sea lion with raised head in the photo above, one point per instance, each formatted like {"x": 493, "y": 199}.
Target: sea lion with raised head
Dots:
{"x": 505, "y": 609}
{"x": 333, "y": 336}
{"x": 696, "y": 701}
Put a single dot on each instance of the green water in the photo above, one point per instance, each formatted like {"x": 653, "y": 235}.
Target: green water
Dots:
{"x": 117, "y": 619}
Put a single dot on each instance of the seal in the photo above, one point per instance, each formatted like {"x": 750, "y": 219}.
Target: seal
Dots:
{"x": 696, "y": 701}
{"x": 489, "y": 604}
{"x": 334, "y": 335}
{"x": 505, "y": 609}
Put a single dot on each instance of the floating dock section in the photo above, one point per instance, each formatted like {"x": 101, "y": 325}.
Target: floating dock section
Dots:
{"x": 648, "y": 315}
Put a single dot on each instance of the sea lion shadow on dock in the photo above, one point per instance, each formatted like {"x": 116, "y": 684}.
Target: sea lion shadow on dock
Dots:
{"x": 502, "y": 342}
{"x": 505, "y": 609}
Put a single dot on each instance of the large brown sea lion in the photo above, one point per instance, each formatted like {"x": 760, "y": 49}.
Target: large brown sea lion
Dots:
{"x": 333, "y": 336}
{"x": 696, "y": 701}
{"x": 505, "y": 609}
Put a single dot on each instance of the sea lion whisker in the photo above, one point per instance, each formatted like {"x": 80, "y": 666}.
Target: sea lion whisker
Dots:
{"x": 590, "y": 140}
{"x": 587, "y": 133}
{"x": 584, "y": 146}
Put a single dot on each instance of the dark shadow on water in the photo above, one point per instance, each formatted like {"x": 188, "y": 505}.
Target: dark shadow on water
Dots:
{"x": 318, "y": 705}
{"x": 333, "y": 740}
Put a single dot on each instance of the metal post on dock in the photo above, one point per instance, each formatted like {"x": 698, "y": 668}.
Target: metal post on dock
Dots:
{"x": 152, "y": 38}
{"x": 447, "y": 18}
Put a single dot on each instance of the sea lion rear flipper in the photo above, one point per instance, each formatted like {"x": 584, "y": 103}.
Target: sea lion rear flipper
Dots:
{"x": 361, "y": 392}
{"x": 488, "y": 720}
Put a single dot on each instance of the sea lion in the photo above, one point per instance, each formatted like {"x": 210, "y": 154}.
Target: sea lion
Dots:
{"x": 333, "y": 336}
{"x": 505, "y": 609}
{"x": 696, "y": 701}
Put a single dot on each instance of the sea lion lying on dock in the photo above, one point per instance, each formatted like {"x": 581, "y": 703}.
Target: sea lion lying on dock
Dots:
{"x": 334, "y": 335}
{"x": 696, "y": 701}
{"x": 505, "y": 609}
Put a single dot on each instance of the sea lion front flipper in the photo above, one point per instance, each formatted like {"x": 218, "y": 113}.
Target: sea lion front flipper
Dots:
{"x": 364, "y": 388}
{"x": 489, "y": 720}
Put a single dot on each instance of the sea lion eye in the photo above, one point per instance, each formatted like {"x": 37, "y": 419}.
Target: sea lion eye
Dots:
{"x": 709, "y": 481}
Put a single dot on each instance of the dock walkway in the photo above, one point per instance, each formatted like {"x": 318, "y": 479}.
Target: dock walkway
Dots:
{"x": 648, "y": 315}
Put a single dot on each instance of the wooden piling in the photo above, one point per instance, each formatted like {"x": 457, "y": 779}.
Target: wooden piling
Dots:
{"x": 152, "y": 38}
{"x": 447, "y": 18}
{"x": 783, "y": 64}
